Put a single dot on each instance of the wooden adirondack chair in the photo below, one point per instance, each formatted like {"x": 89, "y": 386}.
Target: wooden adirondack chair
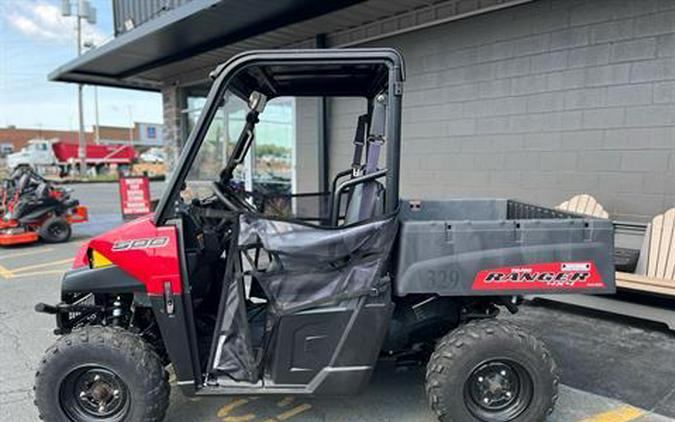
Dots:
{"x": 584, "y": 204}
{"x": 655, "y": 272}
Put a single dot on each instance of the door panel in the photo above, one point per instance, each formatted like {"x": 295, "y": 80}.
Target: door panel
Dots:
{"x": 348, "y": 337}
{"x": 305, "y": 343}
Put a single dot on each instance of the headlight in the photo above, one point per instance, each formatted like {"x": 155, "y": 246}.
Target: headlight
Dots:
{"x": 97, "y": 260}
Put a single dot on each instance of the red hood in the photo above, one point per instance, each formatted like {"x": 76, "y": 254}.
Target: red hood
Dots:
{"x": 145, "y": 251}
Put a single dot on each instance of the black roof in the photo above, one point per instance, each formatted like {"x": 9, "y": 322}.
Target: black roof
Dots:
{"x": 319, "y": 72}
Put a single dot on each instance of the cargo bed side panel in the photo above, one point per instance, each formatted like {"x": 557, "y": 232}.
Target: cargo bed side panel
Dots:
{"x": 557, "y": 254}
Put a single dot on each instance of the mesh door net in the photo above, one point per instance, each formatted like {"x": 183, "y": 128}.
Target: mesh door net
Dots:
{"x": 307, "y": 267}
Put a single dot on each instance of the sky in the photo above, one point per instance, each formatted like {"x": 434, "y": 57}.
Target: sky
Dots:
{"x": 34, "y": 40}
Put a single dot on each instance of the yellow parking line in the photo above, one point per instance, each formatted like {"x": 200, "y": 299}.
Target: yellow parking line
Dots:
{"x": 4, "y": 272}
{"x": 31, "y": 252}
{"x": 225, "y": 410}
{"x": 245, "y": 418}
{"x": 290, "y": 413}
{"x": 621, "y": 414}
{"x": 45, "y": 264}
{"x": 285, "y": 401}
{"x": 293, "y": 412}
{"x": 36, "y": 273}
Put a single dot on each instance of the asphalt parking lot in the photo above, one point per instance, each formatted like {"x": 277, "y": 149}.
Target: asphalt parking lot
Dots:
{"x": 613, "y": 369}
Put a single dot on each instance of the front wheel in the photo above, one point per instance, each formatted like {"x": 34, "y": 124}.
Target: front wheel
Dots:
{"x": 101, "y": 373}
{"x": 491, "y": 371}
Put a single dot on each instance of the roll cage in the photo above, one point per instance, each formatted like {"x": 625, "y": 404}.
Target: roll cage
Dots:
{"x": 312, "y": 73}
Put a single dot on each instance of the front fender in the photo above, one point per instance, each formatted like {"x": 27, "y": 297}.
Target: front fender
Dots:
{"x": 110, "y": 279}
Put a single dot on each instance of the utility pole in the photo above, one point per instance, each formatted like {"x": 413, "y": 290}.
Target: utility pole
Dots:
{"x": 131, "y": 126}
{"x": 84, "y": 11}
{"x": 89, "y": 44}
{"x": 81, "y": 140}
{"x": 97, "y": 133}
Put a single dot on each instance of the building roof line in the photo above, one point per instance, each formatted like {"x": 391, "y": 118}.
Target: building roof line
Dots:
{"x": 185, "y": 32}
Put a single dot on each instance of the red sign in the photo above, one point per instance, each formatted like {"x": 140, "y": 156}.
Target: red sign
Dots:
{"x": 550, "y": 275}
{"x": 134, "y": 196}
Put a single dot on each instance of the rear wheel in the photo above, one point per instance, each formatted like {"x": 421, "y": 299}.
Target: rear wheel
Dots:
{"x": 55, "y": 230}
{"x": 101, "y": 373}
{"x": 491, "y": 371}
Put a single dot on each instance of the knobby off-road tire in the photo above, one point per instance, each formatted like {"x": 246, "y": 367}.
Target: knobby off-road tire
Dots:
{"x": 55, "y": 230}
{"x": 491, "y": 371}
{"x": 96, "y": 365}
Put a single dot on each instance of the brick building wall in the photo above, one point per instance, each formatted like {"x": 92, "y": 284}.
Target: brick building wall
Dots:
{"x": 18, "y": 137}
{"x": 539, "y": 102}
{"x": 118, "y": 133}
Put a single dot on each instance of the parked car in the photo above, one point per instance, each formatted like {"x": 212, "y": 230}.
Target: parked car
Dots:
{"x": 153, "y": 155}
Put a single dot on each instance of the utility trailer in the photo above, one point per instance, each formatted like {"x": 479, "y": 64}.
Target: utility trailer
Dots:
{"x": 239, "y": 301}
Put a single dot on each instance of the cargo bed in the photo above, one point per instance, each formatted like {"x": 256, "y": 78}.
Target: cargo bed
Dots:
{"x": 465, "y": 247}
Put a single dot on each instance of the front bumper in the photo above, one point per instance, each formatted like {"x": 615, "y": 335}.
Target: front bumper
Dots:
{"x": 78, "y": 289}
{"x": 69, "y": 315}
{"x": 8, "y": 239}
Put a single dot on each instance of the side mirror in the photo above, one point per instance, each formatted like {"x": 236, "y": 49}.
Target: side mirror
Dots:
{"x": 257, "y": 101}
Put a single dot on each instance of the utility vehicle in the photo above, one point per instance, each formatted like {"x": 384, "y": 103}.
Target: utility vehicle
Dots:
{"x": 241, "y": 301}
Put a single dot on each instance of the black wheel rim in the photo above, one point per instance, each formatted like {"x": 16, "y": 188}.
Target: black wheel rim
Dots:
{"x": 93, "y": 393}
{"x": 498, "y": 390}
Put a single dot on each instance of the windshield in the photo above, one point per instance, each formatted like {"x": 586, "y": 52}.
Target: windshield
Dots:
{"x": 311, "y": 78}
{"x": 269, "y": 160}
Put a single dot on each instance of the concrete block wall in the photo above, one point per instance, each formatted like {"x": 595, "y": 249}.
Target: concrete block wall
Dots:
{"x": 306, "y": 158}
{"x": 539, "y": 102}
{"x": 342, "y": 115}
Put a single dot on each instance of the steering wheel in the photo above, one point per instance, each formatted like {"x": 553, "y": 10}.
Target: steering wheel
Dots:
{"x": 232, "y": 201}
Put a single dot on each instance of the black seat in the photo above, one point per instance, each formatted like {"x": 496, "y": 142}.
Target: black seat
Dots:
{"x": 365, "y": 202}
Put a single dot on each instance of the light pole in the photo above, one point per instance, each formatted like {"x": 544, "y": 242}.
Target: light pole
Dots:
{"x": 84, "y": 11}
{"x": 97, "y": 134}
{"x": 131, "y": 126}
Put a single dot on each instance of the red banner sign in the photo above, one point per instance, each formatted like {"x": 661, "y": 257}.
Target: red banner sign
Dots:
{"x": 134, "y": 196}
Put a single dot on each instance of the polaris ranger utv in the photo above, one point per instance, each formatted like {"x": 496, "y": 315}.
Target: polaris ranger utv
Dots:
{"x": 241, "y": 301}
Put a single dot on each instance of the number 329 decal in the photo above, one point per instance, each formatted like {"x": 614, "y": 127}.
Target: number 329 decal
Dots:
{"x": 153, "y": 242}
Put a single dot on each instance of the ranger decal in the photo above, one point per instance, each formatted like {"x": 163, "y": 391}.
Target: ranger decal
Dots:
{"x": 550, "y": 275}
